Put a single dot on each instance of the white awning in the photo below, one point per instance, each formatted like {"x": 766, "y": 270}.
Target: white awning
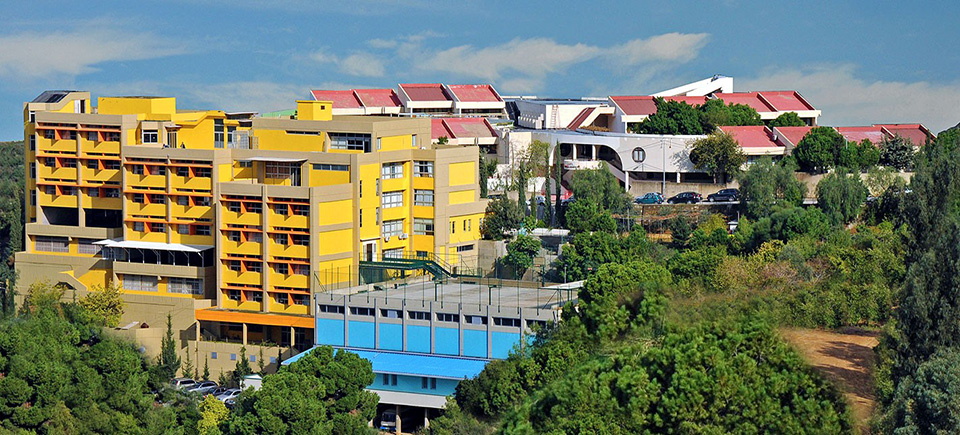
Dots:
{"x": 130, "y": 244}
{"x": 273, "y": 159}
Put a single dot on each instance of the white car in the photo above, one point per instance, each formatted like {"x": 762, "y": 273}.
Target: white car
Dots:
{"x": 182, "y": 383}
{"x": 229, "y": 394}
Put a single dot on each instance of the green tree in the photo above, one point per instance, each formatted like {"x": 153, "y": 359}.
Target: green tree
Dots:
{"x": 168, "y": 361}
{"x": 764, "y": 185}
{"x": 868, "y": 153}
{"x": 848, "y": 157}
{"x": 719, "y": 154}
{"x": 927, "y": 401}
{"x": 620, "y": 297}
{"x": 502, "y": 215}
{"x": 206, "y": 369}
{"x": 488, "y": 167}
{"x": 673, "y": 118}
{"x": 588, "y": 251}
{"x": 454, "y": 421}
{"x": 241, "y": 369}
{"x": 841, "y": 196}
{"x": 584, "y": 216}
{"x": 323, "y": 392}
{"x": 714, "y": 113}
{"x": 789, "y": 119}
{"x": 261, "y": 363}
{"x": 212, "y": 413}
{"x": 188, "y": 368}
{"x": 520, "y": 253}
{"x": 547, "y": 201}
{"x": 600, "y": 187}
{"x": 443, "y": 140}
{"x": 558, "y": 187}
{"x": 897, "y": 153}
{"x": 818, "y": 149}
{"x": 680, "y": 230}
{"x": 529, "y": 163}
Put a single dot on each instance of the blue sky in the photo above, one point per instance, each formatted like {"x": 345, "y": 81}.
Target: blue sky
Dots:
{"x": 860, "y": 62}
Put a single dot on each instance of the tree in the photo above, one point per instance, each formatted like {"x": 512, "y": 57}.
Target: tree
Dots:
{"x": 927, "y": 401}
{"x": 897, "y": 153}
{"x": 520, "y": 253}
{"x": 764, "y": 185}
{"x": 869, "y": 154}
{"x": 168, "y": 361}
{"x": 557, "y": 166}
{"x": 188, "y": 369}
{"x": 719, "y": 154}
{"x": 881, "y": 178}
{"x": 818, "y": 149}
{"x": 600, "y": 187}
{"x": 680, "y": 230}
{"x": 212, "y": 413}
{"x": 241, "y": 369}
{"x": 454, "y": 421}
{"x": 841, "y": 196}
{"x": 715, "y": 112}
{"x": 584, "y": 216}
{"x": 548, "y": 202}
{"x": 261, "y": 363}
{"x": 623, "y": 296}
{"x": 443, "y": 140}
{"x": 502, "y": 215}
{"x": 789, "y": 119}
{"x": 488, "y": 167}
{"x": 528, "y": 164}
{"x": 673, "y": 118}
{"x": 206, "y": 369}
{"x": 322, "y": 392}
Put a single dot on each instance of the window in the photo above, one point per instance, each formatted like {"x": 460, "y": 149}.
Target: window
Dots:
{"x": 392, "y": 228}
{"x": 255, "y": 237}
{"x": 218, "y": 133}
{"x": 202, "y": 230}
{"x": 50, "y": 190}
{"x": 255, "y": 296}
{"x": 156, "y": 227}
{"x": 138, "y": 226}
{"x": 32, "y": 116}
{"x": 418, "y": 315}
{"x": 233, "y": 356}
{"x": 33, "y": 143}
{"x": 379, "y": 140}
{"x": 158, "y": 170}
{"x": 86, "y": 246}
{"x": 506, "y": 321}
{"x": 233, "y": 236}
{"x": 301, "y": 239}
{"x": 48, "y": 134}
{"x": 444, "y": 317}
{"x": 33, "y": 170}
{"x": 202, "y": 201}
{"x": 280, "y": 239}
{"x": 111, "y": 164}
{"x": 144, "y": 283}
{"x": 333, "y": 309}
{"x": 93, "y": 192}
{"x": 282, "y": 298}
{"x": 254, "y": 207}
{"x": 186, "y": 286}
{"x": 281, "y": 268}
{"x": 183, "y": 172}
{"x": 213, "y": 355}
{"x": 113, "y": 136}
{"x": 244, "y": 163}
{"x": 33, "y": 200}
{"x": 233, "y": 295}
{"x": 392, "y": 170}
{"x": 112, "y": 193}
{"x": 453, "y": 227}
{"x": 234, "y": 265}
{"x": 392, "y": 199}
{"x": 475, "y": 320}
{"x": 69, "y": 163}
{"x": 329, "y": 167}
{"x": 158, "y": 199}
{"x": 254, "y": 266}
{"x": 423, "y": 227}
{"x": 423, "y": 168}
{"x": 638, "y": 154}
{"x": 301, "y": 210}
{"x": 183, "y": 200}
{"x": 70, "y": 135}
{"x": 137, "y": 169}
{"x": 201, "y": 172}
{"x": 390, "y": 314}
{"x": 301, "y": 269}
{"x": 361, "y": 311}
{"x": 424, "y": 383}
{"x": 413, "y": 141}
{"x": 280, "y": 209}
{"x": 253, "y": 358}
{"x": 393, "y": 253}
{"x": 464, "y": 248}
{"x": 92, "y": 164}
{"x": 52, "y": 244}
{"x": 423, "y": 197}
{"x": 350, "y": 141}
{"x": 69, "y": 190}
{"x": 386, "y": 379}
{"x": 150, "y": 136}
{"x": 433, "y": 383}
{"x": 183, "y": 229}
{"x": 301, "y": 299}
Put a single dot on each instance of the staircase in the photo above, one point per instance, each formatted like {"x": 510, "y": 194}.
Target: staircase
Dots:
{"x": 430, "y": 263}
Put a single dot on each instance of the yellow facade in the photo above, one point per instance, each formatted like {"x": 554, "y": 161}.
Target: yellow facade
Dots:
{"x": 248, "y": 214}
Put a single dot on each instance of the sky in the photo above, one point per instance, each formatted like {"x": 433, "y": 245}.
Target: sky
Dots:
{"x": 860, "y": 62}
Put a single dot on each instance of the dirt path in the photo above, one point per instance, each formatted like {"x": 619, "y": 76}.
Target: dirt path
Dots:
{"x": 844, "y": 357}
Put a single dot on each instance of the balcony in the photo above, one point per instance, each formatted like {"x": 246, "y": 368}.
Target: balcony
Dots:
{"x": 45, "y": 200}
{"x": 240, "y": 277}
{"x": 102, "y": 202}
{"x": 191, "y": 239}
{"x": 46, "y": 172}
{"x": 231, "y": 304}
{"x": 291, "y": 280}
{"x": 244, "y": 248}
{"x": 134, "y": 180}
{"x": 231, "y": 217}
{"x": 191, "y": 212}
{"x": 294, "y": 251}
{"x": 190, "y": 183}
{"x": 57, "y": 146}
{"x": 89, "y": 147}
{"x": 158, "y": 210}
{"x": 104, "y": 175}
{"x": 289, "y": 221}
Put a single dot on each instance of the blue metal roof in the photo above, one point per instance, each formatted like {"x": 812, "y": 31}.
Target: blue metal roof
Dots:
{"x": 413, "y": 364}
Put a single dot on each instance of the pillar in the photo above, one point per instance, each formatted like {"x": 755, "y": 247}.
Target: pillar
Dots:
{"x": 293, "y": 337}
{"x": 426, "y": 420}
{"x": 197, "y": 328}
{"x": 244, "y": 333}
{"x": 398, "y": 420}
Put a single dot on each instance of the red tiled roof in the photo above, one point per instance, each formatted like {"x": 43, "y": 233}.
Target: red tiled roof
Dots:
{"x": 691, "y": 100}
{"x": 917, "y": 133}
{"x": 645, "y": 104}
{"x": 793, "y": 134}
{"x": 751, "y": 99}
{"x": 378, "y": 97}
{"x": 425, "y": 91}
{"x": 857, "y": 134}
{"x": 578, "y": 121}
{"x": 751, "y": 136}
{"x": 467, "y": 127}
{"x": 474, "y": 93}
{"x": 341, "y": 99}
{"x": 439, "y": 129}
{"x": 786, "y": 101}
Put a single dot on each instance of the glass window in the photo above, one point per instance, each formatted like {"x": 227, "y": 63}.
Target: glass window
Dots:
{"x": 350, "y": 141}
{"x": 329, "y": 167}
{"x": 423, "y": 168}
{"x": 150, "y": 136}
{"x": 392, "y": 170}
{"x": 138, "y": 226}
{"x": 392, "y": 199}
{"x": 422, "y": 226}
{"x": 186, "y": 286}
{"x": 423, "y": 197}
{"x": 52, "y": 244}
{"x": 203, "y": 230}
{"x": 145, "y": 283}
{"x": 392, "y": 228}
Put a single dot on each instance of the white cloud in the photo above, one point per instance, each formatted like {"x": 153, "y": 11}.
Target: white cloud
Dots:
{"x": 321, "y": 56}
{"x": 363, "y": 65}
{"x": 76, "y": 52}
{"x": 846, "y": 99}
{"x": 670, "y": 47}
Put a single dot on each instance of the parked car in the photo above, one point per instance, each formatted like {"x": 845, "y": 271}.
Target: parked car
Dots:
{"x": 229, "y": 394}
{"x": 203, "y": 388}
{"x": 217, "y": 391}
{"x": 724, "y": 195}
{"x": 649, "y": 198}
{"x": 182, "y": 383}
{"x": 686, "y": 198}
{"x": 388, "y": 420}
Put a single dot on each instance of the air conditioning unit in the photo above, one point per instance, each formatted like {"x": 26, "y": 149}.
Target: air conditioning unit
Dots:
{"x": 386, "y": 238}
{"x": 403, "y": 236}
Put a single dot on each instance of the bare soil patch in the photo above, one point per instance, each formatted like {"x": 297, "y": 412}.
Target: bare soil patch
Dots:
{"x": 846, "y": 358}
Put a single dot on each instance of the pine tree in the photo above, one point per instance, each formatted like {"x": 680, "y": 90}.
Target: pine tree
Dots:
{"x": 548, "y": 204}
{"x": 188, "y": 368}
{"x": 260, "y": 363}
{"x": 242, "y": 368}
{"x": 206, "y": 369}
{"x": 168, "y": 361}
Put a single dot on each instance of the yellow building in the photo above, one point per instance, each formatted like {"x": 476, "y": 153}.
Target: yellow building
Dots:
{"x": 231, "y": 222}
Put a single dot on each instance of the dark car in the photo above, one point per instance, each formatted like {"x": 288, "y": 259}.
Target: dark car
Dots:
{"x": 649, "y": 198}
{"x": 686, "y": 198}
{"x": 724, "y": 195}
